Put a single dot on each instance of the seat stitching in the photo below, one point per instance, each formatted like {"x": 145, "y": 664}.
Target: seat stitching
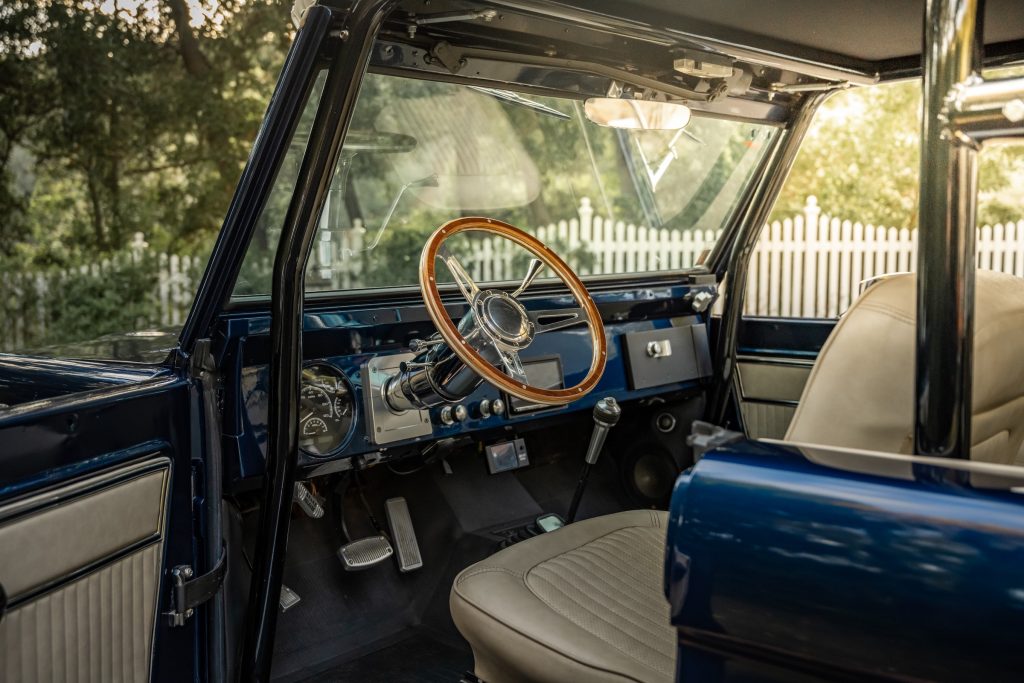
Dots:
{"x": 649, "y": 584}
{"x": 611, "y": 643}
{"x": 562, "y": 591}
{"x": 553, "y": 651}
{"x": 604, "y": 554}
{"x": 614, "y": 568}
{"x": 615, "y": 547}
{"x": 602, "y": 536}
{"x": 644, "y": 622}
{"x": 484, "y": 570}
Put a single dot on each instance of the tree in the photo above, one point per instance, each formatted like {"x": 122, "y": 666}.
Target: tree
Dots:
{"x": 861, "y": 160}
{"x": 134, "y": 117}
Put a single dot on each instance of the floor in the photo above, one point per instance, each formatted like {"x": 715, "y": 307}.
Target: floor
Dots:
{"x": 351, "y": 626}
{"x": 416, "y": 658}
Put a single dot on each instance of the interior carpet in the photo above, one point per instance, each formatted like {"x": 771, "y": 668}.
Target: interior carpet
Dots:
{"x": 419, "y": 658}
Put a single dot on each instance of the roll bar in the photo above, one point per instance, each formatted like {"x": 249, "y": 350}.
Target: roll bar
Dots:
{"x": 961, "y": 112}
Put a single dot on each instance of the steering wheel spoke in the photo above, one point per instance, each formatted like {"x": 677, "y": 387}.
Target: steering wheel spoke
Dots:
{"x": 536, "y": 265}
{"x": 556, "y": 319}
{"x": 513, "y": 364}
{"x": 466, "y": 284}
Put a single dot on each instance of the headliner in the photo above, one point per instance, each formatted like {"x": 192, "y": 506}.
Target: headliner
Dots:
{"x": 872, "y": 31}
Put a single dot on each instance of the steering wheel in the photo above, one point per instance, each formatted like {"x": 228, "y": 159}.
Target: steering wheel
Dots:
{"x": 498, "y": 324}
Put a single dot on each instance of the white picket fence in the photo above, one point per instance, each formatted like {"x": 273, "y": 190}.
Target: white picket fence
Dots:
{"x": 590, "y": 243}
{"x": 26, "y": 312}
{"x": 810, "y": 265}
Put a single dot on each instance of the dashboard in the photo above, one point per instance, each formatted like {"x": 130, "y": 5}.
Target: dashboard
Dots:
{"x": 340, "y": 418}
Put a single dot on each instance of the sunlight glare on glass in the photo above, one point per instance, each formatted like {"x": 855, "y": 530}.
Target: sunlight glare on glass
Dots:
{"x": 633, "y": 114}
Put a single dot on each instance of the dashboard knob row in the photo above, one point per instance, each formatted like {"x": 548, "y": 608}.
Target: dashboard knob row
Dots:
{"x": 452, "y": 414}
{"x": 458, "y": 413}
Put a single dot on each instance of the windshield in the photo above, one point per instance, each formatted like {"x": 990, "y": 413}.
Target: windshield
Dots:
{"x": 420, "y": 153}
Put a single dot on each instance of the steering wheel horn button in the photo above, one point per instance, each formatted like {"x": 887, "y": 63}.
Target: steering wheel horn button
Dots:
{"x": 505, "y": 319}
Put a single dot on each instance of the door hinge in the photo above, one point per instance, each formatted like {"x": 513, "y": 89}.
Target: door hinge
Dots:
{"x": 188, "y": 591}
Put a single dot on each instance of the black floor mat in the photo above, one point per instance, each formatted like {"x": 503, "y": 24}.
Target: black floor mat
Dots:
{"x": 384, "y": 625}
{"x": 417, "y": 658}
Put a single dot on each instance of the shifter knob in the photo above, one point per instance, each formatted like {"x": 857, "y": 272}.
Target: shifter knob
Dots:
{"x": 607, "y": 412}
{"x": 606, "y": 416}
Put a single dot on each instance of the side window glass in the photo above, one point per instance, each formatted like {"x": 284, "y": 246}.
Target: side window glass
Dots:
{"x": 848, "y": 212}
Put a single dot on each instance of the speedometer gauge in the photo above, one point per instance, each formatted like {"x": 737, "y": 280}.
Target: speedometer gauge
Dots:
{"x": 325, "y": 409}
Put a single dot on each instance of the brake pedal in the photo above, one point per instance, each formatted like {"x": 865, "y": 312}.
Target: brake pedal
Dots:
{"x": 307, "y": 502}
{"x": 365, "y": 553}
{"x": 400, "y": 524}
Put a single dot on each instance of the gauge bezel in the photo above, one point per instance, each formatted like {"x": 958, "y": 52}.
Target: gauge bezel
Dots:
{"x": 347, "y": 438}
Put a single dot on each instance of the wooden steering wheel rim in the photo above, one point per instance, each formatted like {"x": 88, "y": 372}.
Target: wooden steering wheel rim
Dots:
{"x": 450, "y": 333}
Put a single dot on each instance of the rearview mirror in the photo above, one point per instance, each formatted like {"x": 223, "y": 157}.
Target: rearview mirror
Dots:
{"x": 636, "y": 114}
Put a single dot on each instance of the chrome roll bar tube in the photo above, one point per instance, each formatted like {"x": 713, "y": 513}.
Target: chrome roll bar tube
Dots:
{"x": 960, "y": 111}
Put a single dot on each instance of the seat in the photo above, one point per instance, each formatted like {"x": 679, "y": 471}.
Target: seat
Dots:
{"x": 860, "y": 392}
{"x": 584, "y": 603}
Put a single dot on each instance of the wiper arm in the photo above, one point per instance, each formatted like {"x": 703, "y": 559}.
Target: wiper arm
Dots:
{"x": 517, "y": 99}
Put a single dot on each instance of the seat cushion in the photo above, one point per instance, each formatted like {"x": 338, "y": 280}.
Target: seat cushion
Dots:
{"x": 582, "y": 603}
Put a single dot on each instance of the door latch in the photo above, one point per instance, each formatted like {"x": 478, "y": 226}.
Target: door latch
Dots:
{"x": 189, "y": 591}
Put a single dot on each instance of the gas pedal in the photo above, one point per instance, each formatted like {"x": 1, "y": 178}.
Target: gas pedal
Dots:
{"x": 364, "y": 553}
{"x": 403, "y": 535}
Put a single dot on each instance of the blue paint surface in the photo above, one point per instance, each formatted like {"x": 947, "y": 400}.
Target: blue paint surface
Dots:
{"x": 836, "y": 561}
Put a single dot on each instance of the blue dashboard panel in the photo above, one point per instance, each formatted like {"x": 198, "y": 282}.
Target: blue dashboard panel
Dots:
{"x": 347, "y": 339}
{"x": 846, "y": 565}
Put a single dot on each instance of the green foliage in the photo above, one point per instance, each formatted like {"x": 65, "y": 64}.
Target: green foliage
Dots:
{"x": 861, "y": 159}
{"x": 137, "y": 119}
{"x": 88, "y": 305}
{"x": 82, "y": 303}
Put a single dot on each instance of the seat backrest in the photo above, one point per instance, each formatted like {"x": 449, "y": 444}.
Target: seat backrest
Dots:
{"x": 860, "y": 393}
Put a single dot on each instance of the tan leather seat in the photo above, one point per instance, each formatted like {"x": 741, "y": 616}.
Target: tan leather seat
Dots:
{"x": 860, "y": 393}
{"x": 584, "y": 603}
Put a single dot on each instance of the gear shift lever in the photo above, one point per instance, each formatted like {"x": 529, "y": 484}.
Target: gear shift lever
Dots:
{"x": 606, "y": 416}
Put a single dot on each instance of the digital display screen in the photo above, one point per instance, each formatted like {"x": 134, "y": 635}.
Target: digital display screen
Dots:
{"x": 543, "y": 373}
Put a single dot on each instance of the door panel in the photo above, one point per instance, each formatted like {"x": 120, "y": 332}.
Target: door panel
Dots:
{"x": 81, "y": 570}
{"x": 770, "y": 390}
{"x": 775, "y": 357}
{"x": 96, "y": 504}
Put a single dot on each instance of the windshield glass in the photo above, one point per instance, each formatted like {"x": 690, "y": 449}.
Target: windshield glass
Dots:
{"x": 420, "y": 153}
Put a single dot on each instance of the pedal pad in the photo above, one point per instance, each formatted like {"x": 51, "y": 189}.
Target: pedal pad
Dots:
{"x": 308, "y": 503}
{"x": 289, "y": 598}
{"x": 364, "y": 553}
{"x": 400, "y": 524}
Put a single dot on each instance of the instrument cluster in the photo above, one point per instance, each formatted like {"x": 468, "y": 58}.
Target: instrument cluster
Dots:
{"x": 326, "y": 410}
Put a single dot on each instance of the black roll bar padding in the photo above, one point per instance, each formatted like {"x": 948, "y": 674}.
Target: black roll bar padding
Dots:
{"x": 945, "y": 237}
{"x": 337, "y": 102}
